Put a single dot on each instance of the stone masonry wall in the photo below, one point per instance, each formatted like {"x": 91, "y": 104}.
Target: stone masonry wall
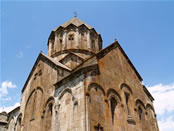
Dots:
{"x": 39, "y": 89}
{"x": 118, "y": 81}
{"x": 70, "y": 115}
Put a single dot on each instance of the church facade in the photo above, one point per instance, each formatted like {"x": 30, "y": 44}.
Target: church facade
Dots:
{"x": 79, "y": 86}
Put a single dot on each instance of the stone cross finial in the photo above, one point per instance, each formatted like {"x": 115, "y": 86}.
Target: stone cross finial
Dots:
{"x": 75, "y": 14}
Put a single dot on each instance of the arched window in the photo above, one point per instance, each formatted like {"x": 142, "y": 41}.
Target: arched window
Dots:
{"x": 113, "y": 106}
{"x": 127, "y": 95}
{"x": 48, "y": 114}
{"x": 140, "y": 109}
{"x": 115, "y": 109}
{"x": 50, "y": 108}
{"x": 71, "y": 37}
{"x": 20, "y": 121}
{"x": 140, "y": 112}
{"x": 60, "y": 41}
{"x": 127, "y": 102}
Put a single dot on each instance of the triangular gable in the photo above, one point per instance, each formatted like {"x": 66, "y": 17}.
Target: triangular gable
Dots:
{"x": 86, "y": 66}
{"x": 71, "y": 60}
{"x": 71, "y": 54}
{"x": 75, "y": 51}
{"x": 87, "y": 63}
{"x": 49, "y": 59}
{"x": 56, "y": 62}
{"x": 92, "y": 61}
{"x": 114, "y": 45}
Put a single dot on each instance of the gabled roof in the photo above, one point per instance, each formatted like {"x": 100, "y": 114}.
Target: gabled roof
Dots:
{"x": 83, "y": 67}
{"x": 75, "y": 21}
{"x": 55, "y": 62}
{"x": 71, "y": 54}
{"x": 104, "y": 51}
{"x": 49, "y": 59}
{"x": 15, "y": 109}
{"x": 93, "y": 61}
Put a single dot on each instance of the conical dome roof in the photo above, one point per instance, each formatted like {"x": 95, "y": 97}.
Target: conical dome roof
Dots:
{"x": 74, "y": 36}
{"x": 75, "y": 21}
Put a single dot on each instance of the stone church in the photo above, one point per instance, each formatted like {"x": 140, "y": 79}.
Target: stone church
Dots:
{"x": 79, "y": 86}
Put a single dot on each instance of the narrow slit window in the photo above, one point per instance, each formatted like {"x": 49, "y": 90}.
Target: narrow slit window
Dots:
{"x": 60, "y": 40}
{"x": 113, "y": 106}
{"x": 52, "y": 45}
{"x": 127, "y": 100}
{"x": 51, "y": 108}
{"x": 140, "y": 113}
{"x": 93, "y": 44}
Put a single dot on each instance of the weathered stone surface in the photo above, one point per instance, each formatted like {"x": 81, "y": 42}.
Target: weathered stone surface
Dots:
{"x": 3, "y": 121}
{"x": 81, "y": 87}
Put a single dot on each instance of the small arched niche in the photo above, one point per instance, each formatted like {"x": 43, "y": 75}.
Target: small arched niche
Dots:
{"x": 140, "y": 109}
{"x": 48, "y": 115}
{"x": 96, "y": 104}
{"x": 127, "y": 96}
{"x": 114, "y": 107}
{"x": 19, "y": 122}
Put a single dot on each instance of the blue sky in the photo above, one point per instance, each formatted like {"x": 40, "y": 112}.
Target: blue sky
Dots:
{"x": 145, "y": 30}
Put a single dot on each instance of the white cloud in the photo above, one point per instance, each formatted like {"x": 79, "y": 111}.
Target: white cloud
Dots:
{"x": 6, "y": 99}
{"x": 3, "y": 91}
{"x": 164, "y": 105}
{"x": 10, "y": 108}
{"x": 20, "y": 54}
{"x": 167, "y": 125}
{"x": 4, "y": 87}
{"x": 8, "y": 84}
{"x": 163, "y": 95}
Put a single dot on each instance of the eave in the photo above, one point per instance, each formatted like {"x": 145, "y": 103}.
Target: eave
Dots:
{"x": 42, "y": 57}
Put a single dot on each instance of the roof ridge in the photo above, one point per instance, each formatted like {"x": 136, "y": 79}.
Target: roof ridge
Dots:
{"x": 56, "y": 62}
{"x": 41, "y": 55}
{"x": 75, "y": 21}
